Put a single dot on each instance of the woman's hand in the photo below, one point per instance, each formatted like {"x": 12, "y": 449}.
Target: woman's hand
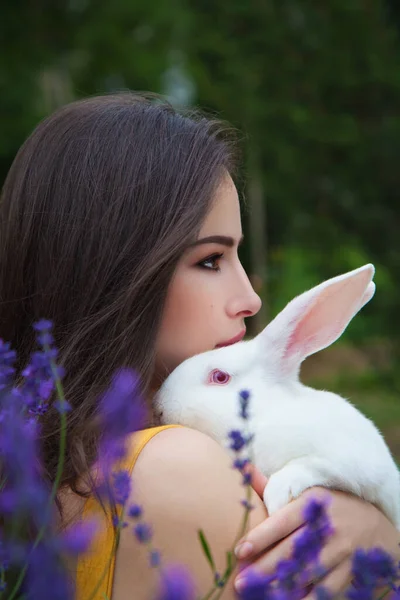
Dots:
{"x": 356, "y": 524}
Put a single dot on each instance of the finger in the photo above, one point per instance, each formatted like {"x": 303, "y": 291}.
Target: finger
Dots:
{"x": 336, "y": 582}
{"x": 330, "y": 556}
{"x": 258, "y": 480}
{"x": 336, "y": 552}
{"x": 266, "y": 563}
{"x": 275, "y": 528}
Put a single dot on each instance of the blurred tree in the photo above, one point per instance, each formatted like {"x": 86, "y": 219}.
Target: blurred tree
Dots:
{"x": 317, "y": 88}
{"x": 53, "y": 52}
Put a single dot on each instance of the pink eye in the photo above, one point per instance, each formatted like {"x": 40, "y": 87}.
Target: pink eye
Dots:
{"x": 219, "y": 377}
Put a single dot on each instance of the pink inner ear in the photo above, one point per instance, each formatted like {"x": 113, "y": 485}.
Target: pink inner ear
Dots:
{"x": 309, "y": 335}
{"x": 320, "y": 325}
{"x": 317, "y": 318}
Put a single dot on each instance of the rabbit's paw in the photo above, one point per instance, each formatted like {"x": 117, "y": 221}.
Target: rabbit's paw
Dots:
{"x": 286, "y": 485}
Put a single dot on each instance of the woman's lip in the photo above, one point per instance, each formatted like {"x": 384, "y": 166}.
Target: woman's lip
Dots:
{"x": 237, "y": 338}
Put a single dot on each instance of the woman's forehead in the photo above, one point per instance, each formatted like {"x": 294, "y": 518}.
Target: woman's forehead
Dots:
{"x": 224, "y": 216}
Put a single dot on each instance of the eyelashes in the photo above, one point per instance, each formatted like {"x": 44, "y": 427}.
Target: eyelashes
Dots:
{"x": 211, "y": 263}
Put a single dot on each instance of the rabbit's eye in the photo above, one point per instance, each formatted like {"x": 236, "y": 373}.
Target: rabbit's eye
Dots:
{"x": 219, "y": 377}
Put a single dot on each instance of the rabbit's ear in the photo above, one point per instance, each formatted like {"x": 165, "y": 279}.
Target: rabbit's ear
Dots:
{"x": 315, "y": 319}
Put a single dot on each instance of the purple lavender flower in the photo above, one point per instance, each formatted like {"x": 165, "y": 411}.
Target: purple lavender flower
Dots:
{"x": 315, "y": 512}
{"x": 78, "y": 538}
{"x": 4, "y": 556}
{"x": 24, "y": 489}
{"x": 115, "y": 485}
{"x": 240, "y": 464}
{"x": 176, "y": 584}
{"x": 292, "y": 575}
{"x": 363, "y": 593}
{"x": 309, "y": 543}
{"x": 237, "y": 440}
{"x": 24, "y": 494}
{"x": 122, "y": 412}
{"x": 122, "y": 486}
{"x": 244, "y": 399}
{"x": 321, "y": 593}
{"x": 247, "y": 478}
{"x": 119, "y": 522}
{"x": 287, "y": 575}
{"x": 155, "y": 558}
{"x": 46, "y": 574}
{"x": 40, "y": 373}
{"x": 38, "y": 383}
{"x": 135, "y": 511}
{"x": 44, "y": 327}
{"x": 142, "y": 532}
{"x": 371, "y": 569}
{"x": 380, "y": 564}
{"x": 62, "y": 406}
{"x": 122, "y": 407}
{"x": 7, "y": 359}
{"x": 258, "y": 587}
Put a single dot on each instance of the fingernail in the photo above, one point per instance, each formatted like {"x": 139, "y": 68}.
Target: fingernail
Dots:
{"x": 243, "y": 550}
{"x": 239, "y": 584}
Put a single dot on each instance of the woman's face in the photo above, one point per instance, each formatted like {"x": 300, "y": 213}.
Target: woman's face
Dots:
{"x": 210, "y": 294}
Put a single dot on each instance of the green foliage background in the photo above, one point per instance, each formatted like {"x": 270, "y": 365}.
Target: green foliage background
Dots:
{"x": 313, "y": 86}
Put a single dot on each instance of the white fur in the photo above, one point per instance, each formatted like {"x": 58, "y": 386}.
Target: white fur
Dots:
{"x": 303, "y": 437}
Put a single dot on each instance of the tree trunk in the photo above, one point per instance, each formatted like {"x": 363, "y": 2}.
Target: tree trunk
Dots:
{"x": 257, "y": 235}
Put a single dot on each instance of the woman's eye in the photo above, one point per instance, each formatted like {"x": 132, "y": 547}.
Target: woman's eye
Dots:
{"x": 211, "y": 263}
{"x": 219, "y": 377}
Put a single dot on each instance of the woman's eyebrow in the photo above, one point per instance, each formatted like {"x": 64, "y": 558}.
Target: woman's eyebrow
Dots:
{"x": 225, "y": 240}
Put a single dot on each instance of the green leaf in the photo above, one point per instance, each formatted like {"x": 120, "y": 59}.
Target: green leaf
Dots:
{"x": 228, "y": 564}
{"x": 206, "y": 549}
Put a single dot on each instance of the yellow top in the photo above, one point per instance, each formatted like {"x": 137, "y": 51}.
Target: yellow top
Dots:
{"x": 99, "y": 561}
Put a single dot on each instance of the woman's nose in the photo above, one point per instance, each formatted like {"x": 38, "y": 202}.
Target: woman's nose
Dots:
{"x": 245, "y": 303}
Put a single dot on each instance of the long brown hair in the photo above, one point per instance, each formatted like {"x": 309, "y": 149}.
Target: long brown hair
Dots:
{"x": 99, "y": 205}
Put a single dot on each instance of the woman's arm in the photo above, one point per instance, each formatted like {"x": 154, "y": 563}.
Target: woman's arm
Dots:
{"x": 356, "y": 524}
{"x": 185, "y": 482}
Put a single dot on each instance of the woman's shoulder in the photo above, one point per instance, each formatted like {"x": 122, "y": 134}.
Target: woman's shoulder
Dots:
{"x": 182, "y": 455}
{"x": 180, "y": 444}
{"x": 185, "y": 482}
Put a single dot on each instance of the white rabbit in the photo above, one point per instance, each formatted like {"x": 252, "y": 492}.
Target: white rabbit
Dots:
{"x": 302, "y": 437}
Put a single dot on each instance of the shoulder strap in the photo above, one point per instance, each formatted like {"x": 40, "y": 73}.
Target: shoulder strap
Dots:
{"x": 99, "y": 562}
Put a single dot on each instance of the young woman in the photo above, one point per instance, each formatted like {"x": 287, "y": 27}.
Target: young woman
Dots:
{"x": 120, "y": 222}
